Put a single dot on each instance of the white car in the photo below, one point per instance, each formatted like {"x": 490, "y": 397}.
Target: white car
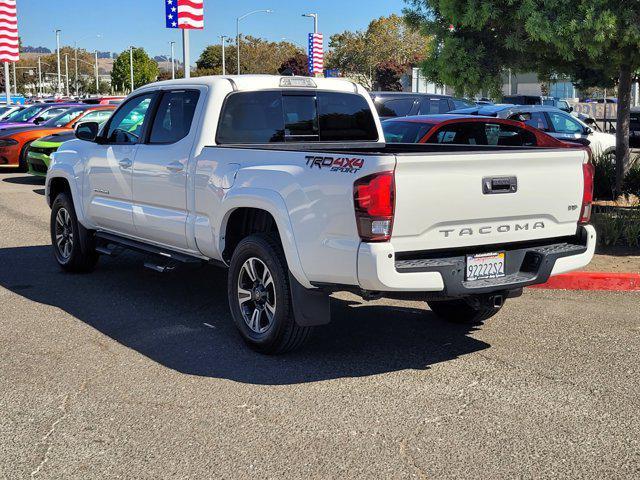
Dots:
{"x": 287, "y": 182}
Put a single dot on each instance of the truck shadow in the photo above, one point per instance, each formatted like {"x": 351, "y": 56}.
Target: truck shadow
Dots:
{"x": 25, "y": 180}
{"x": 163, "y": 317}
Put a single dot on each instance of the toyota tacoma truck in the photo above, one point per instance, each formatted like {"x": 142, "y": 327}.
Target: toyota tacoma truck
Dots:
{"x": 288, "y": 183}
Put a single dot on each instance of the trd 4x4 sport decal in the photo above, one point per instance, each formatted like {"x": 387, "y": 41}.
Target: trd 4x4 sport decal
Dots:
{"x": 341, "y": 164}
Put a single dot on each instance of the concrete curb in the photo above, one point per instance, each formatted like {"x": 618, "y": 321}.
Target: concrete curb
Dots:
{"x": 593, "y": 281}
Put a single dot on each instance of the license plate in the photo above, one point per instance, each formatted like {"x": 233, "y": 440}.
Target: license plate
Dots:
{"x": 485, "y": 265}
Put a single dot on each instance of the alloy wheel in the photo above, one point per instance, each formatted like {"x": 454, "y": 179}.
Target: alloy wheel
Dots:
{"x": 256, "y": 295}
{"x": 64, "y": 234}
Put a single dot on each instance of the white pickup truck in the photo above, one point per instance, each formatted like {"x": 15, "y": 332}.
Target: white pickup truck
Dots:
{"x": 288, "y": 182}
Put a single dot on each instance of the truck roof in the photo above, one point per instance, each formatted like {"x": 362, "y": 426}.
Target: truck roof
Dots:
{"x": 263, "y": 82}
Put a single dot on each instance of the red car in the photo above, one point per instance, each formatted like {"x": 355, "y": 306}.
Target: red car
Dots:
{"x": 467, "y": 130}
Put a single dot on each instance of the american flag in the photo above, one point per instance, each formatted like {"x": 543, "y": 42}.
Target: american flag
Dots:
{"x": 187, "y": 14}
{"x": 9, "y": 48}
{"x": 316, "y": 53}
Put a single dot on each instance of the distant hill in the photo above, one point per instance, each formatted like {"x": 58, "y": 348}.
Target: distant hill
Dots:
{"x": 30, "y": 49}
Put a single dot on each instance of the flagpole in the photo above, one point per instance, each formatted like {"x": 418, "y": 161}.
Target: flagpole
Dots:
{"x": 185, "y": 53}
{"x": 7, "y": 83}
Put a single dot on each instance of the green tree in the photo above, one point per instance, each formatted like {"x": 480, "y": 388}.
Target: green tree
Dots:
{"x": 357, "y": 53}
{"x": 211, "y": 59}
{"x": 594, "y": 42}
{"x": 145, "y": 69}
{"x": 257, "y": 56}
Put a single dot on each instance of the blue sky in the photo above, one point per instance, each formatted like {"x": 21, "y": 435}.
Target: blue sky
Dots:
{"x": 141, "y": 22}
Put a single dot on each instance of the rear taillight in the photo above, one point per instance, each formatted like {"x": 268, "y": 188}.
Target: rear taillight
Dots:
{"x": 588, "y": 171}
{"x": 374, "y": 198}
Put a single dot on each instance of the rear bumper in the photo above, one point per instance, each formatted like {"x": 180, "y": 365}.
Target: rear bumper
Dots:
{"x": 380, "y": 270}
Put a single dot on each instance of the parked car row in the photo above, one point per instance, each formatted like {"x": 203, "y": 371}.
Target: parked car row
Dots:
{"x": 548, "y": 118}
{"x": 25, "y": 126}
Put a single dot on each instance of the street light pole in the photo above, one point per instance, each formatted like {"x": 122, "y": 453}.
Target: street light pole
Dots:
{"x": 224, "y": 65}
{"x": 131, "y": 66}
{"x": 58, "y": 55}
{"x": 97, "y": 77}
{"x": 66, "y": 72}
{"x": 238, "y": 31}
{"x": 75, "y": 48}
{"x": 173, "y": 61}
{"x": 39, "y": 76}
{"x": 315, "y": 20}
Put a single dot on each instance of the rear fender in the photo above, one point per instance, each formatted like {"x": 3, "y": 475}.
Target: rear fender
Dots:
{"x": 272, "y": 202}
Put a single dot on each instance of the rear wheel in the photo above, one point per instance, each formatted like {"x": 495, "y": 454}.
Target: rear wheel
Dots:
{"x": 259, "y": 296}
{"x": 73, "y": 245}
{"x": 464, "y": 311}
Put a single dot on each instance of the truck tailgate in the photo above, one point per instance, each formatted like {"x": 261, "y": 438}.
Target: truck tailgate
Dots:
{"x": 443, "y": 200}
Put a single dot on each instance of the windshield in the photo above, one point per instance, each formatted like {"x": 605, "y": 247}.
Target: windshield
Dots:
{"x": 62, "y": 119}
{"x": 26, "y": 114}
{"x": 405, "y": 132}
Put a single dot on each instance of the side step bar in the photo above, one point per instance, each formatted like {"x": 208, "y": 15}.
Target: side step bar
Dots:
{"x": 104, "y": 239}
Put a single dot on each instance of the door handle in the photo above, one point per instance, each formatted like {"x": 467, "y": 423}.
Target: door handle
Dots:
{"x": 125, "y": 163}
{"x": 175, "y": 167}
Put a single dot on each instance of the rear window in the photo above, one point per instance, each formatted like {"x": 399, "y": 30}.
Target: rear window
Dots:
{"x": 430, "y": 106}
{"x": 276, "y": 116}
{"x": 394, "y": 107}
{"x": 404, "y": 132}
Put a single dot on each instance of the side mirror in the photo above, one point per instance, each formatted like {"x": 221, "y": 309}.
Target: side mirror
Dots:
{"x": 570, "y": 109}
{"x": 588, "y": 131}
{"x": 39, "y": 120}
{"x": 87, "y": 131}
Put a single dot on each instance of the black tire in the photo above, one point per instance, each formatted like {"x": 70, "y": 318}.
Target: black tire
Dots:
{"x": 79, "y": 255}
{"x": 22, "y": 161}
{"x": 463, "y": 311}
{"x": 273, "y": 330}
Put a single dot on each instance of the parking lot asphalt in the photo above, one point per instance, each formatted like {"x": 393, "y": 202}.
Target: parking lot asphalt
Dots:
{"x": 127, "y": 373}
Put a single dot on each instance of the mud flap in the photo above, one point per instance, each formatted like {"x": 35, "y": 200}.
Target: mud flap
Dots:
{"x": 311, "y": 307}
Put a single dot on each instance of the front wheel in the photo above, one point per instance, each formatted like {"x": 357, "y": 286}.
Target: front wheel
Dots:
{"x": 73, "y": 246}
{"x": 464, "y": 311}
{"x": 259, "y": 296}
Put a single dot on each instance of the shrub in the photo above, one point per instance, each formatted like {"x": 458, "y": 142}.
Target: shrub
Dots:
{"x": 605, "y": 178}
{"x": 618, "y": 227}
{"x": 609, "y": 228}
{"x": 631, "y": 184}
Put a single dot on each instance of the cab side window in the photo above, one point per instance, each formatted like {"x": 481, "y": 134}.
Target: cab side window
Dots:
{"x": 99, "y": 116}
{"x": 174, "y": 116}
{"x": 533, "y": 119}
{"x": 52, "y": 112}
{"x": 461, "y": 134}
{"x": 564, "y": 123}
{"x": 126, "y": 125}
{"x": 480, "y": 133}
